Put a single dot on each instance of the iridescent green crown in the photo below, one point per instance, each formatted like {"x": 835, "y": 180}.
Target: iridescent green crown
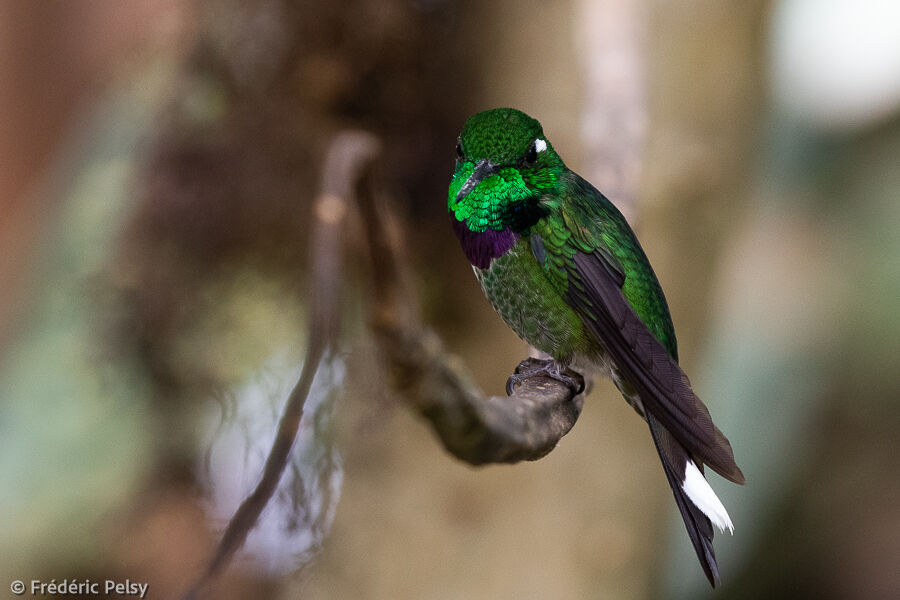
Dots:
{"x": 501, "y": 135}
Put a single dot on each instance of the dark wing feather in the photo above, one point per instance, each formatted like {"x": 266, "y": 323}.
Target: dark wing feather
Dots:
{"x": 595, "y": 292}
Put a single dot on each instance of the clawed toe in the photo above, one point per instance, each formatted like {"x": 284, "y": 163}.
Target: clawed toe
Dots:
{"x": 533, "y": 367}
{"x": 513, "y": 382}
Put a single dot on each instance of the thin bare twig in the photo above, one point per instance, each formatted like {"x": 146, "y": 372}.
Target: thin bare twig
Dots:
{"x": 349, "y": 155}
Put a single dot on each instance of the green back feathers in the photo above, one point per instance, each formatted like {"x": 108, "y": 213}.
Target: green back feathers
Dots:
{"x": 589, "y": 223}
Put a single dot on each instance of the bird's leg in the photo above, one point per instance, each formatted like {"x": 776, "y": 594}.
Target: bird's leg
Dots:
{"x": 535, "y": 367}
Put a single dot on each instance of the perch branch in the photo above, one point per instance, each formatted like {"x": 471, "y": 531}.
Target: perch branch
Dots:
{"x": 475, "y": 428}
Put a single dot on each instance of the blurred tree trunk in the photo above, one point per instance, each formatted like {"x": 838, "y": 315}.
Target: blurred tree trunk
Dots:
{"x": 55, "y": 57}
{"x": 706, "y": 111}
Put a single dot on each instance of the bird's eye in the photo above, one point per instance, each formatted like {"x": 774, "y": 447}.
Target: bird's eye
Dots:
{"x": 459, "y": 150}
{"x": 537, "y": 146}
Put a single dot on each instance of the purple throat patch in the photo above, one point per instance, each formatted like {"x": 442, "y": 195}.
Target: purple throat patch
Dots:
{"x": 481, "y": 247}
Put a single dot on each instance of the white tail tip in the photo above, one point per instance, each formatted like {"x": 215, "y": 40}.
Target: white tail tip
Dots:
{"x": 702, "y": 495}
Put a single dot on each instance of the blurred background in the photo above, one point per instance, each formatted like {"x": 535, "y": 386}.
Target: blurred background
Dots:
{"x": 158, "y": 160}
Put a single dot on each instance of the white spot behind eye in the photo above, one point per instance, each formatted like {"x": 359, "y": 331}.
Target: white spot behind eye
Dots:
{"x": 540, "y": 145}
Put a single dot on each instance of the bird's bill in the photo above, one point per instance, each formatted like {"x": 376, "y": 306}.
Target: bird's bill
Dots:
{"x": 483, "y": 169}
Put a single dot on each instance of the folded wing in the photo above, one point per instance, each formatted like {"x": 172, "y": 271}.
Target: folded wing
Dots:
{"x": 595, "y": 291}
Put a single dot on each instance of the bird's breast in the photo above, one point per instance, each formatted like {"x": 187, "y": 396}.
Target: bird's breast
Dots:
{"x": 520, "y": 292}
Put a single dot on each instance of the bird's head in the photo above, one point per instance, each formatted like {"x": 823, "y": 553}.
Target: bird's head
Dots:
{"x": 505, "y": 168}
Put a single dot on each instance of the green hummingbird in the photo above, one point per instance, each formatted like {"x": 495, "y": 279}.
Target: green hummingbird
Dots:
{"x": 564, "y": 270}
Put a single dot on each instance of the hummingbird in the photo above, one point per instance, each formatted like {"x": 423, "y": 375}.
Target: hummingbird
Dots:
{"x": 564, "y": 270}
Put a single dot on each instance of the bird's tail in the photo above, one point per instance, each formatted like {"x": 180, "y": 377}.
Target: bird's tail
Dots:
{"x": 700, "y": 507}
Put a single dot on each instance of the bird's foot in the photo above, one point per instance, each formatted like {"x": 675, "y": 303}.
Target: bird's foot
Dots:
{"x": 535, "y": 367}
